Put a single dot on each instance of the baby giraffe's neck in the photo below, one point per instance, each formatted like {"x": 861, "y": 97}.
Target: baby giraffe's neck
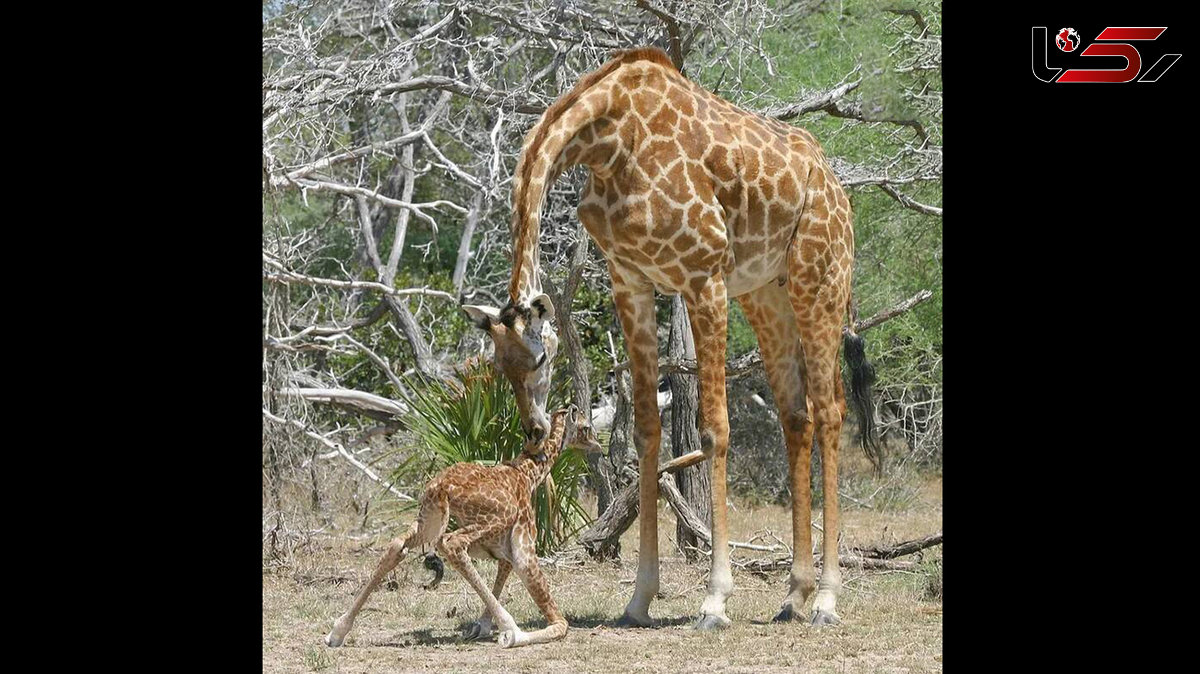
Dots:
{"x": 531, "y": 463}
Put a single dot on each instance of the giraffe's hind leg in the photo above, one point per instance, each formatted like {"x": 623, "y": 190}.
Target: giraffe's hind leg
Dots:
{"x": 770, "y": 313}
{"x": 395, "y": 552}
{"x": 819, "y": 287}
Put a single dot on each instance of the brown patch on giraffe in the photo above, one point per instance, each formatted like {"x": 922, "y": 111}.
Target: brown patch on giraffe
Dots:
{"x": 788, "y": 189}
{"x": 572, "y": 154}
{"x": 675, "y": 275}
{"x": 655, "y": 155}
{"x": 681, "y": 100}
{"x": 591, "y": 215}
{"x": 664, "y": 122}
{"x": 645, "y": 101}
{"x": 684, "y": 241}
{"x": 674, "y": 184}
{"x": 751, "y": 164}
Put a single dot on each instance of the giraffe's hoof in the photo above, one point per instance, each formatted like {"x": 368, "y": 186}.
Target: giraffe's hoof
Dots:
{"x": 787, "y": 614}
{"x": 508, "y": 639}
{"x": 628, "y": 620}
{"x": 333, "y": 641}
{"x": 820, "y": 617}
{"x": 710, "y": 623}
{"x": 480, "y": 629}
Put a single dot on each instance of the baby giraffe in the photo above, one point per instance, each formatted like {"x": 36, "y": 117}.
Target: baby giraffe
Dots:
{"x": 492, "y": 505}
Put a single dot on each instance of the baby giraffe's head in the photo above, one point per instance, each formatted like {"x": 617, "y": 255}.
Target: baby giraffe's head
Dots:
{"x": 580, "y": 434}
{"x": 569, "y": 429}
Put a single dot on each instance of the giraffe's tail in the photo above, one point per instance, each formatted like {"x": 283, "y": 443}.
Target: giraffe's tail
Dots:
{"x": 428, "y": 529}
{"x": 862, "y": 375}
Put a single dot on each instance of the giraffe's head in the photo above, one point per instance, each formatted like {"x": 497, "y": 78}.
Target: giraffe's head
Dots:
{"x": 580, "y": 434}
{"x": 525, "y": 344}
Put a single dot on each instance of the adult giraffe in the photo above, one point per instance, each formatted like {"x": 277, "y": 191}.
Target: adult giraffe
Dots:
{"x": 691, "y": 195}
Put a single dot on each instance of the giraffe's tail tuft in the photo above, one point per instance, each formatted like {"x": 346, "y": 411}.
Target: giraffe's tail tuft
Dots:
{"x": 428, "y": 530}
{"x": 862, "y": 375}
{"x": 434, "y": 564}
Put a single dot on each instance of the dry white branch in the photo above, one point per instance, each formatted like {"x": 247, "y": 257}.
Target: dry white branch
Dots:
{"x": 909, "y": 202}
{"x": 358, "y": 399}
{"x": 366, "y": 470}
{"x": 285, "y": 276}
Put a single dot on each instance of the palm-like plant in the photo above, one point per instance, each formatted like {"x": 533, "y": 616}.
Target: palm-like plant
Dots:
{"x": 478, "y": 421}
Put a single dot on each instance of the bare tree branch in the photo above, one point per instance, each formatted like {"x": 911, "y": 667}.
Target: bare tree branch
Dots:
{"x": 364, "y": 468}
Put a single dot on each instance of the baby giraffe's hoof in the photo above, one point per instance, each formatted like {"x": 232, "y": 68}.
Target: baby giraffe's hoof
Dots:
{"x": 338, "y": 634}
{"x": 480, "y": 629}
{"x": 508, "y": 639}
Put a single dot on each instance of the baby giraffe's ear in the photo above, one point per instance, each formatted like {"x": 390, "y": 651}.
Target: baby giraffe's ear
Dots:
{"x": 483, "y": 317}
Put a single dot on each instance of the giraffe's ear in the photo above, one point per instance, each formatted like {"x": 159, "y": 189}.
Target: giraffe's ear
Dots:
{"x": 482, "y": 316}
{"x": 542, "y": 309}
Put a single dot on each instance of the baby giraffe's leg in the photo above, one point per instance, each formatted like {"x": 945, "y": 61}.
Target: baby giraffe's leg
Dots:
{"x": 525, "y": 562}
{"x": 483, "y": 628}
{"x": 454, "y": 546}
{"x": 395, "y": 552}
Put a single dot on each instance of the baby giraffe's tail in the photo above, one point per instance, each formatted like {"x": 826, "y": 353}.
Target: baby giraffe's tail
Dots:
{"x": 428, "y": 529}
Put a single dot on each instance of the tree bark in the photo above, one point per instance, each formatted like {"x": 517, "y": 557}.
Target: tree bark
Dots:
{"x": 581, "y": 390}
{"x": 695, "y": 483}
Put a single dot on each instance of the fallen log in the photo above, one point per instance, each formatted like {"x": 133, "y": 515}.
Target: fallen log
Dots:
{"x": 844, "y": 561}
{"x": 900, "y": 549}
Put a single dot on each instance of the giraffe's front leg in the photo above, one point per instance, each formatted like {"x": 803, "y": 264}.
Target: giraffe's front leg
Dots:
{"x": 525, "y": 562}
{"x": 708, "y": 311}
{"x": 635, "y": 306}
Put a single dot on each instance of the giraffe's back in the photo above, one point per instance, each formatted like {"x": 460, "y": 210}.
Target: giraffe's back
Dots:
{"x": 477, "y": 494}
{"x": 703, "y": 186}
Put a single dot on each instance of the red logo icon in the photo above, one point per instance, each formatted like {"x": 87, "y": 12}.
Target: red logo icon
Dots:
{"x": 1067, "y": 39}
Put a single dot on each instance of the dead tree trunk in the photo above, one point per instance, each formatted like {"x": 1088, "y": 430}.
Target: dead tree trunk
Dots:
{"x": 695, "y": 483}
{"x": 603, "y": 538}
{"x": 581, "y": 390}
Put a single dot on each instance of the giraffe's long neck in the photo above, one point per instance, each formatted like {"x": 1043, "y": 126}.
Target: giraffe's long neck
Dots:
{"x": 543, "y": 159}
{"x": 535, "y": 464}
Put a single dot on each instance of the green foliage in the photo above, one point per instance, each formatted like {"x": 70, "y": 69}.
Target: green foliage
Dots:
{"x": 479, "y": 423}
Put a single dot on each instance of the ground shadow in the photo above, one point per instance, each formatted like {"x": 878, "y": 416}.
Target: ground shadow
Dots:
{"x": 591, "y": 621}
{"x": 426, "y": 637}
{"x": 421, "y": 637}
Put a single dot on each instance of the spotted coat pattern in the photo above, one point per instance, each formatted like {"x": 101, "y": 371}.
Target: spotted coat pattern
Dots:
{"x": 689, "y": 194}
{"x": 493, "y": 508}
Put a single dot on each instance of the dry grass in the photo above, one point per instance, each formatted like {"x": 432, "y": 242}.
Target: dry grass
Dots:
{"x": 888, "y": 623}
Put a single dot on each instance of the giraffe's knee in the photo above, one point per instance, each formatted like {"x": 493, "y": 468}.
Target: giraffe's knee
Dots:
{"x": 714, "y": 441}
{"x": 647, "y": 436}
{"x": 798, "y": 419}
{"x": 449, "y": 547}
{"x": 828, "y": 416}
